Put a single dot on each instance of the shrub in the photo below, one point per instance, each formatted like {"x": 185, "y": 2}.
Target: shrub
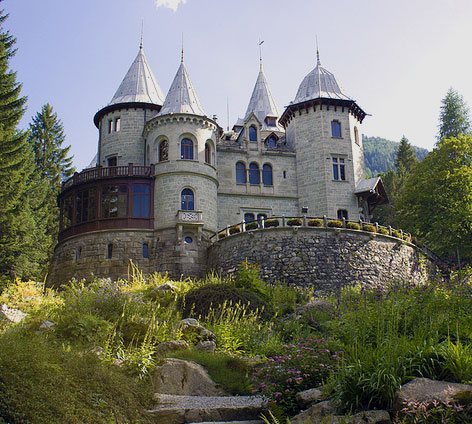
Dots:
{"x": 406, "y": 237}
{"x": 234, "y": 229}
{"x": 199, "y": 301}
{"x": 335, "y": 223}
{"x": 370, "y": 228}
{"x": 271, "y": 222}
{"x": 294, "y": 222}
{"x": 301, "y": 366}
{"x": 248, "y": 277}
{"x": 315, "y": 223}
{"x": 396, "y": 234}
{"x": 226, "y": 370}
{"x": 353, "y": 226}
{"x": 254, "y": 225}
{"x": 221, "y": 235}
{"x": 383, "y": 230}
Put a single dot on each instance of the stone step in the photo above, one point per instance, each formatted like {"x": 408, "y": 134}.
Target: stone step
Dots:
{"x": 178, "y": 409}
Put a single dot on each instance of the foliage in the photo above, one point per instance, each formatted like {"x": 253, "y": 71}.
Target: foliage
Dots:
{"x": 335, "y": 223}
{"x": 383, "y": 230}
{"x": 315, "y": 223}
{"x": 370, "y": 228}
{"x": 22, "y": 193}
{"x": 271, "y": 222}
{"x": 248, "y": 277}
{"x": 43, "y": 382}
{"x": 380, "y": 154}
{"x": 293, "y": 222}
{"x": 353, "y": 226}
{"x": 254, "y": 225}
{"x": 234, "y": 229}
{"x": 229, "y": 371}
{"x": 436, "y": 203}
{"x": 301, "y": 366}
{"x": 405, "y": 158}
{"x": 46, "y": 136}
{"x": 454, "y": 116}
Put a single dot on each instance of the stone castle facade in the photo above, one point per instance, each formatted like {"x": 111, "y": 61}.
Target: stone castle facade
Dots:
{"x": 167, "y": 178}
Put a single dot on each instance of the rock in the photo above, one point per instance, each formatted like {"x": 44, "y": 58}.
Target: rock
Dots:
{"x": 207, "y": 345}
{"x": 309, "y": 397}
{"x": 191, "y": 326}
{"x": 315, "y": 413}
{"x": 320, "y": 305}
{"x": 46, "y": 325}
{"x": 164, "y": 348}
{"x": 179, "y": 377}
{"x": 424, "y": 390}
{"x": 11, "y": 314}
{"x": 166, "y": 287}
{"x": 369, "y": 417}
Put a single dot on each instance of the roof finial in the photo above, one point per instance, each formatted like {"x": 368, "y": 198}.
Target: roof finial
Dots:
{"x": 260, "y": 52}
{"x": 142, "y": 30}
{"x": 182, "y": 59}
{"x": 318, "y": 63}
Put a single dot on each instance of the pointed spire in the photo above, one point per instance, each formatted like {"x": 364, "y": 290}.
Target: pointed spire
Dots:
{"x": 139, "y": 84}
{"x": 260, "y": 53}
{"x": 262, "y": 103}
{"x": 182, "y": 58}
{"x": 182, "y": 97}
{"x": 142, "y": 30}
{"x": 318, "y": 63}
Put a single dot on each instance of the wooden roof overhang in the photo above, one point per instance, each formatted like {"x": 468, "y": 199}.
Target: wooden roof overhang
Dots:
{"x": 374, "y": 197}
{"x": 350, "y": 105}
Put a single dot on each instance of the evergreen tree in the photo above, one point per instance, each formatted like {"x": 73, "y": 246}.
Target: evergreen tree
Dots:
{"x": 21, "y": 193}
{"x": 454, "y": 116}
{"x": 406, "y": 157}
{"x": 46, "y": 136}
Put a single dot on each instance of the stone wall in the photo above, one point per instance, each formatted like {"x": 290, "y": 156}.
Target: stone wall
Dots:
{"x": 324, "y": 258}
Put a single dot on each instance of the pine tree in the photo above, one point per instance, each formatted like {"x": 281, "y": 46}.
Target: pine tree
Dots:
{"x": 454, "y": 117}
{"x": 47, "y": 136}
{"x": 406, "y": 157}
{"x": 21, "y": 192}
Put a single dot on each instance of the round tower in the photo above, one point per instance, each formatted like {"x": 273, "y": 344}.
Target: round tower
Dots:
{"x": 181, "y": 142}
{"x": 323, "y": 126}
{"x": 121, "y": 123}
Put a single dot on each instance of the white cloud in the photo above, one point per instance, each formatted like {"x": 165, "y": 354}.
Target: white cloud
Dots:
{"x": 170, "y": 4}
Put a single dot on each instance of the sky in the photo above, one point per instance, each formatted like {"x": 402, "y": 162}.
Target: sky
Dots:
{"x": 397, "y": 59}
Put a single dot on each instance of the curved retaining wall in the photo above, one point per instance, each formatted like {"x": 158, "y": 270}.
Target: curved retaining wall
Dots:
{"x": 324, "y": 258}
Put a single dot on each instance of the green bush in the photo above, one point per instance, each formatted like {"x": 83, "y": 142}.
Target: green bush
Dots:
{"x": 271, "y": 222}
{"x": 335, "y": 223}
{"x": 396, "y": 234}
{"x": 383, "y": 230}
{"x": 370, "y": 228}
{"x": 315, "y": 223}
{"x": 229, "y": 371}
{"x": 294, "y": 222}
{"x": 353, "y": 226}
{"x": 254, "y": 225}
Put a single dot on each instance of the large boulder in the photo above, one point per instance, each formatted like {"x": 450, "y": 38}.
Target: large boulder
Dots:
{"x": 316, "y": 305}
{"x": 309, "y": 397}
{"x": 10, "y": 314}
{"x": 315, "y": 413}
{"x": 164, "y": 348}
{"x": 426, "y": 391}
{"x": 191, "y": 328}
{"x": 179, "y": 377}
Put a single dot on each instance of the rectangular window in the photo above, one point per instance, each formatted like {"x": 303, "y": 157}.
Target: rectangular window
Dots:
{"x": 110, "y": 126}
{"x": 112, "y": 161}
{"x": 86, "y": 205}
{"x": 109, "y": 251}
{"x": 342, "y": 213}
{"x": 145, "y": 250}
{"x": 339, "y": 172}
{"x": 114, "y": 201}
{"x": 117, "y": 124}
{"x": 67, "y": 214}
{"x": 141, "y": 200}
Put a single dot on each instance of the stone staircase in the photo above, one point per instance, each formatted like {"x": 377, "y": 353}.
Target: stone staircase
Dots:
{"x": 180, "y": 409}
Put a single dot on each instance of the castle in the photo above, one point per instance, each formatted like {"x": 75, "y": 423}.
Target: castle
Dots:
{"x": 167, "y": 177}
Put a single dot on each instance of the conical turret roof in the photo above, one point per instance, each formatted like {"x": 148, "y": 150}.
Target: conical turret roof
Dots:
{"x": 320, "y": 83}
{"x": 182, "y": 97}
{"x": 139, "y": 84}
{"x": 262, "y": 103}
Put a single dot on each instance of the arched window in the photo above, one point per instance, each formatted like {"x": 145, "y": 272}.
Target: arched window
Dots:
{"x": 272, "y": 142}
{"x": 163, "y": 150}
{"x": 356, "y": 136}
{"x": 186, "y": 200}
{"x": 248, "y": 217}
{"x": 335, "y": 129}
{"x": 186, "y": 149}
{"x": 254, "y": 177}
{"x": 240, "y": 173}
{"x": 207, "y": 153}
{"x": 252, "y": 133}
{"x": 267, "y": 175}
